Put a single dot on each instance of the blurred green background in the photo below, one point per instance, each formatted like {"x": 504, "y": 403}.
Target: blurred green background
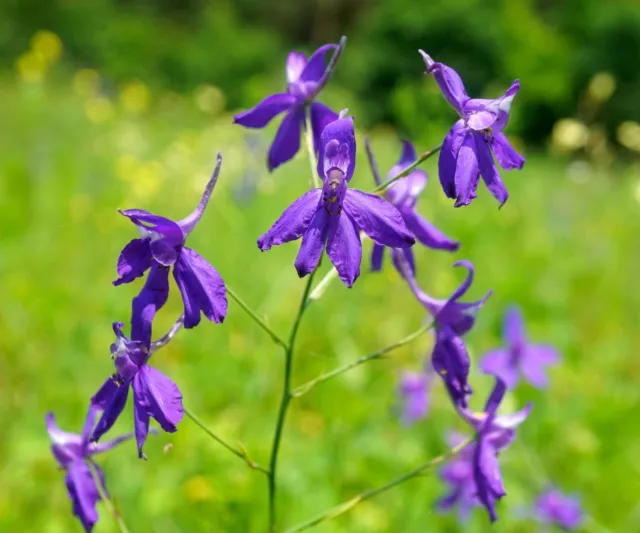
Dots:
{"x": 107, "y": 104}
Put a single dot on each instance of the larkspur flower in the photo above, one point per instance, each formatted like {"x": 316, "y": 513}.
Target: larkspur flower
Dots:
{"x": 74, "y": 453}
{"x": 414, "y": 392}
{"x": 332, "y": 216}
{"x": 519, "y": 356}
{"x": 162, "y": 245}
{"x": 303, "y": 78}
{"x": 404, "y": 195}
{"x": 458, "y": 475}
{"x": 453, "y": 319}
{"x": 154, "y": 394}
{"x": 494, "y": 433}
{"x": 467, "y": 148}
{"x": 554, "y": 508}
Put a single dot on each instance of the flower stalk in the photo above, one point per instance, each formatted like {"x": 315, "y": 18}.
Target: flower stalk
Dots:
{"x": 422, "y": 157}
{"x": 117, "y": 517}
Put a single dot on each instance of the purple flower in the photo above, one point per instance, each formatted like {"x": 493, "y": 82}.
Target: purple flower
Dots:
{"x": 160, "y": 246}
{"x": 74, "y": 453}
{"x": 519, "y": 356}
{"x": 154, "y": 394}
{"x": 458, "y": 475}
{"x": 453, "y": 320}
{"x": 333, "y": 216}
{"x": 303, "y": 77}
{"x": 494, "y": 433}
{"x": 404, "y": 195}
{"x": 467, "y": 148}
{"x": 553, "y": 507}
{"x": 414, "y": 391}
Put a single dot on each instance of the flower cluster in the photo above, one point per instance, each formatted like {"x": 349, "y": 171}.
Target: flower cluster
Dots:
{"x": 334, "y": 218}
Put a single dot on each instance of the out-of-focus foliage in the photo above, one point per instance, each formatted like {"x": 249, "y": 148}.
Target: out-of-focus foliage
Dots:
{"x": 555, "y": 48}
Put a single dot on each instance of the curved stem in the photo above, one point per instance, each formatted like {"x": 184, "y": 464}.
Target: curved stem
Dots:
{"x": 284, "y": 405}
{"x": 241, "y": 452}
{"x": 105, "y": 498}
{"x": 367, "y": 494}
{"x": 304, "y": 388}
{"x": 276, "y": 338}
{"x": 168, "y": 337}
{"x": 422, "y": 157}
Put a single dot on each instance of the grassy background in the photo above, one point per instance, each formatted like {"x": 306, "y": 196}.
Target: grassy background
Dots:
{"x": 564, "y": 247}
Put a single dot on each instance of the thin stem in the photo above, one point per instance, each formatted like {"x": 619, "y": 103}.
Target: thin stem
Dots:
{"x": 238, "y": 452}
{"x": 105, "y": 498}
{"x": 284, "y": 404}
{"x": 303, "y": 389}
{"x": 308, "y": 134}
{"x": 422, "y": 157}
{"x": 274, "y": 336}
{"x": 372, "y": 160}
{"x": 168, "y": 337}
{"x": 367, "y": 494}
{"x": 330, "y": 68}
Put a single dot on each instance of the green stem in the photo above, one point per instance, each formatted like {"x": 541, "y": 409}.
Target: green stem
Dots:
{"x": 276, "y": 338}
{"x": 422, "y": 157}
{"x": 105, "y": 498}
{"x": 303, "y": 389}
{"x": 284, "y": 405}
{"x": 238, "y": 452}
{"x": 367, "y": 494}
{"x": 308, "y": 134}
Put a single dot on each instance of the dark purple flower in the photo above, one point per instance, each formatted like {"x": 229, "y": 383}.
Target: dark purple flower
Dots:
{"x": 73, "y": 452}
{"x": 154, "y": 394}
{"x": 303, "y": 77}
{"x": 404, "y": 195}
{"x": 553, "y": 507}
{"x": 519, "y": 356}
{"x": 161, "y": 246}
{"x": 458, "y": 475}
{"x": 494, "y": 433}
{"x": 453, "y": 319}
{"x": 414, "y": 391}
{"x": 333, "y": 216}
{"x": 467, "y": 148}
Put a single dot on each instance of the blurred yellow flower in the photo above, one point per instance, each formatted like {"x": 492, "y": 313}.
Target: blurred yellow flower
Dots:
{"x": 31, "y": 67}
{"x": 146, "y": 180}
{"x": 209, "y": 99}
{"x": 126, "y": 166}
{"x": 198, "y": 489}
{"x": 569, "y": 134}
{"x": 86, "y": 82}
{"x": 98, "y": 109}
{"x": 135, "y": 97}
{"x": 628, "y": 134}
{"x": 602, "y": 86}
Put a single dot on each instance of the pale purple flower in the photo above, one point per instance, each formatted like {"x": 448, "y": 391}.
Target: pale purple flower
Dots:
{"x": 453, "y": 319}
{"x": 154, "y": 394}
{"x": 554, "y": 508}
{"x": 303, "y": 78}
{"x": 458, "y": 475}
{"x": 404, "y": 195}
{"x": 333, "y": 216}
{"x": 519, "y": 356}
{"x": 74, "y": 453}
{"x": 414, "y": 392}
{"x": 467, "y": 149}
{"x": 162, "y": 245}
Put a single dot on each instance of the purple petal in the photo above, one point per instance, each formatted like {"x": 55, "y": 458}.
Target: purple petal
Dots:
{"x": 500, "y": 364}
{"x": 105, "y": 394}
{"x": 265, "y": 111}
{"x": 487, "y": 477}
{"x": 295, "y": 65}
{"x": 316, "y": 65}
{"x": 112, "y": 411}
{"x": 202, "y": 289}
{"x": 83, "y": 493}
{"x": 464, "y": 286}
{"x": 545, "y": 355}
{"x": 161, "y": 397}
{"x": 513, "y": 327}
{"x": 533, "y": 372}
{"x": 448, "y": 159}
{"x": 287, "y": 140}
{"x": 513, "y": 420}
{"x": 321, "y": 117}
{"x": 449, "y": 82}
{"x": 140, "y": 415}
{"x": 467, "y": 172}
{"x": 89, "y": 422}
{"x": 488, "y": 169}
{"x": 134, "y": 260}
{"x": 188, "y": 224}
{"x": 480, "y": 113}
{"x": 427, "y": 233}
{"x": 293, "y": 222}
{"x": 377, "y": 256}
{"x": 99, "y": 447}
{"x": 379, "y": 219}
{"x": 495, "y": 398}
{"x": 313, "y": 242}
{"x": 414, "y": 389}
{"x": 144, "y": 307}
{"x": 165, "y": 235}
{"x": 337, "y": 148}
{"x": 345, "y": 250}
{"x": 508, "y": 158}
{"x": 451, "y": 362}
{"x": 403, "y": 259}
{"x": 409, "y": 188}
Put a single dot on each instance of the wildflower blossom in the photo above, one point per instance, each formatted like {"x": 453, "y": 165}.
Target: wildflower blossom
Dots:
{"x": 467, "y": 149}
{"x": 457, "y": 474}
{"x": 332, "y": 216}
{"x": 414, "y": 391}
{"x": 303, "y": 78}
{"x": 553, "y": 507}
